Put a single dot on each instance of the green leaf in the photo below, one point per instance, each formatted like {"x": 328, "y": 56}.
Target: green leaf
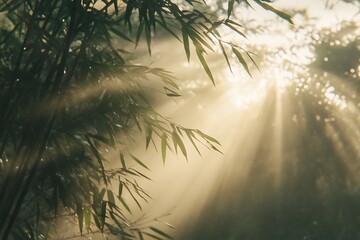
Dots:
{"x": 143, "y": 175}
{"x": 139, "y": 32}
{"x": 178, "y": 142}
{"x": 225, "y": 55}
{"x": 233, "y": 22}
{"x": 103, "y": 215}
{"x": 205, "y": 136}
{"x": 153, "y": 236}
{"x": 171, "y": 93}
{"x": 235, "y": 29}
{"x": 186, "y": 43}
{"x": 278, "y": 12}
{"x": 102, "y": 194}
{"x": 190, "y": 135}
{"x": 122, "y": 159}
{"x": 148, "y": 38}
{"x": 87, "y": 216}
{"x": 80, "y": 213}
{"x": 111, "y": 197}
{"x": 158, "y": 231}
{"x": 163, "y": 146}
{"x": 124, "y": 203}
{"x": 252, "y": 60}
{"x": 149, "y": 132}
{"x": 216, "y": 149}
{"x": 121, "y": 34}
{"x": 98, "y": 157}
{"x": 139, "y": 162}
{"x": 133, "y": 197}
{"x": 241, "y": 60}
{"x": 141, "y": 237}
{"x": 230, "y": 7}
{"x": 167, "y": 29}
{"x": 120, "y": 187}
{"x": 197, "y": 39}
{"x": 205, "y": 66}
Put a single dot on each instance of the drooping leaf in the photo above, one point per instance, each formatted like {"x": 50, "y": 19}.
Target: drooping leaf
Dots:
{"x": 205, "y": 66}
{"x": 225, "y": 55}
{"x": 120, "y": 188}
{"x": 110, "y": 196}
{"x": 241, "y": 60}
{"x": 158, "y": 231}
{"x": 122, "y": 159}
{"x": 190, "y": 135}
{"x": 205, "y": 136}
{"x": 139, "y": 162}
{"x": 186, "y": 43}
{"x": 235, "y": 29}
{"x": 80, "y": 214}
{"x": 103, "y": 215}
{"x": 278, "y": 12}
{"x": 87, "y": 217}
{"x": 163, "y": 146}
{"x": 149, "y": 132}
{"x": 148, "y": 38}
{"x": 98, "y": 157}
{"x": 141, "y": 237}
{"x": 139, "y": 32}
{"x": 171, "y": 93}
{"x": 124, "y": 203}
{"x": 230, "y": 7}
{"x": 178, "y": 142}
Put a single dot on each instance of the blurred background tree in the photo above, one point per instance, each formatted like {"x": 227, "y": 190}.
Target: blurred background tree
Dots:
{"x": 69, "y": 92}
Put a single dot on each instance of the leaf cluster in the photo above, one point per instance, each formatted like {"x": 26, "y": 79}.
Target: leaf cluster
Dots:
{"x": 68, "y": 94}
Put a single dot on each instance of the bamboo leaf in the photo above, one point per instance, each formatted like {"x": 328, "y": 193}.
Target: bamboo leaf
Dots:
{"x": 133, "y": 197}
{"x": 149, "y": 132}
{"x": 191, "y": 136}
{"x": 111, "y": 197}
{"x": 87, "y": 216}
{"x": 120, "y": 187}
{"x": 98, "y": 157}
{"x": 278, "y": 12}
{"x": 241, "y": 60}
{"x": 225, "y": 55}
{"x": 122, "y": 159}
{"x": 252, "y": 60}
{"x": 139, "y": 162}
{"x": 103, "y": 215}
{"x": 143, "y": 175}
{"x": 124, "y": 204}
{"x": 233, "y": 22}
{"x": 163, "y": 146}
{"x": 158, "y": 231}
{"x": 148, "y": 38}
{"x": 171, "y": 93}
{"x": 167, "y": 29}
{"x": 205, "y": 66}
{"x": 186, "y": 43}
{"x": 121, "y": 34}
{"x": 230, "y": 7}
{"x": 80, "y": 214}
{"x": 178, "y": 142}
{"x": 205, "y": 136}
{"x": 235, "y": 29}
{"x": 153, "y": 236}
{"x": 139, "y": 32}
{"x": 141, "y": 237}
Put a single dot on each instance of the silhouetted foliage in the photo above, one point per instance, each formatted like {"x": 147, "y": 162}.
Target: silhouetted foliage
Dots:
{"x": 68, "y": 93}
